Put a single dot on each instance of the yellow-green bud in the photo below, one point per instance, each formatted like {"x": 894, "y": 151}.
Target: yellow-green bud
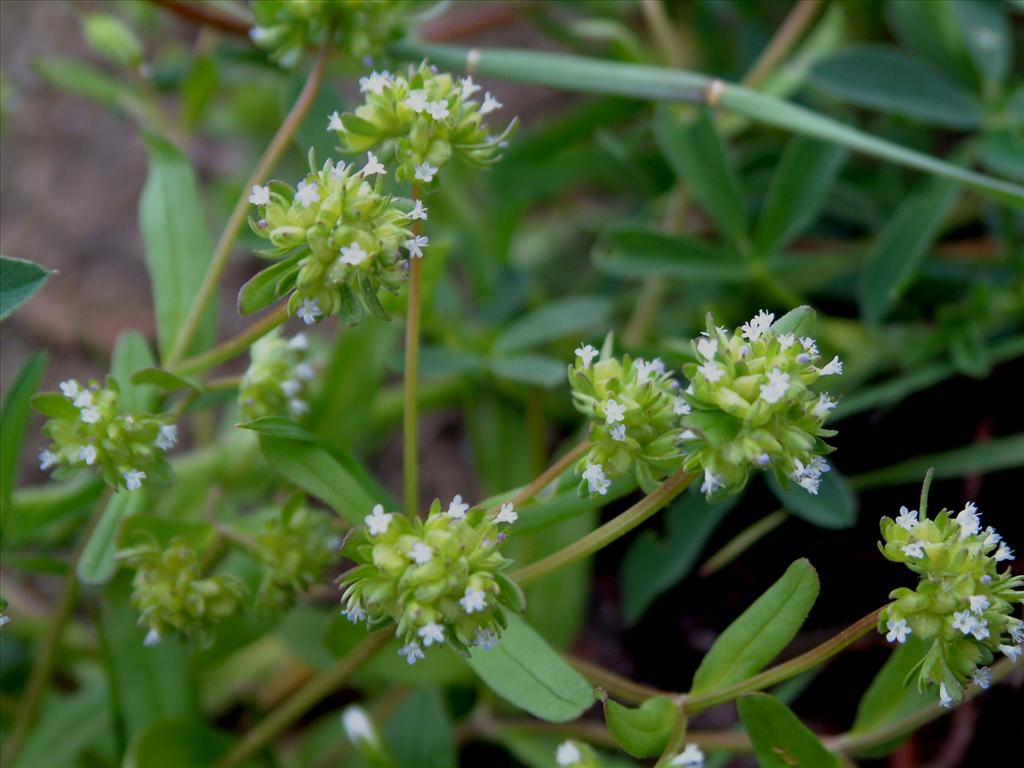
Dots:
{"x": 294, "y": 550}
{"x": 112, "y": 38}
{"x": 277, "y": 378}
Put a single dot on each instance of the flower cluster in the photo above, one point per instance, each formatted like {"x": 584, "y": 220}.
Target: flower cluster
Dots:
{"x": 962, "y": 604}
{"x": 339, "y": 238}
{"x": 87, "y": 431}
{"x": 277, "y": 377}
{"x": 440, "y": 580}
{"x": 287, "y": 27}
{"x": 423, "y": 118}
{"x": 171, "y": 595}
{"x": 750, "y": 405}
{"x": 293, "y": 550}
{"x": 634, "y": 410}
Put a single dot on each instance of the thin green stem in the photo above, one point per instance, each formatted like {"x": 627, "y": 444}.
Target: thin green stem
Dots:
{"x": 674, "y": 745}
{"x": 620, "y": 687}
{"x": 548, "y": 476}
{"x": 742, "y": 542}
{"x": 222, "y": 252}
{"x": 304, "y": 699}
{"x": 782, "y": 42}
{"x": 607, "y": 533}
{"x": 234, "y": 346}
{"x": 410, "y": 422}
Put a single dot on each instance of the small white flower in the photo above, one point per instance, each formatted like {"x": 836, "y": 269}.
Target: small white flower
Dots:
{"x": 707, "y": 348}
{"x": 691, "y": 757}
{"x": 1012, "y": 652}
{"x": 711, "y": 371}
{"x": 334, "y": 122}
{"x": 474, "y": 600}
{"x": 1003, "y": 553}
{"x": 152, "y": 639}
{"x": 786, "y": 340}
{"x": 425, "y": 172}
{"x": 374, "y": 82}
{"x": 618, "y": 433}
{"x": 133, "y": 479}
{"x": 4, "y": 619}
{"x": 357, "y": 725}
{"x": 980, "y": 630}
{"x": 1017, "y": 632}
{"x": 69, "y": 388}
{"x": 914, "y": 549}
{"x": 418, "y": 211}
{"x": 87, "y": 453}
{"x": 298, "y": 407}
{"x": 712, "y": 482}
{"x": 290, "y": 387}
{"x": 167, "y": 438}
{"x": 982, "y": 677}
{"x": 764, "y": 459}
{"x": 898, "y": 631}
{"x": 338, "y": 170}
{"x": 964, "y": 621}
{"x": 775, "y": 389}
{"x": 613, "y": 411}
{"x": 47, "y": 459}
{"x": 379, "y": 521}
{"x": 810, "y": 346}
{"x": 438, "y": 109}
{"x": 834, "y": 366}
{"x": 90, "y": 415}
{"x": 420, "y": 553}
{"x": 597, "y": 481}
{"x": 416, "y": 101}
{"x": 83, "y": 399}
{"x": 586, "y": 353}
{"x": 507, "y": 514}
{"x": 680, "y": 407}
{"x": 979, "y": 603}
{"x": 412, "y": 652}
{"x": 355, "y": 613}
{"x": 658, "y": 366}
{"x": 688, "y": 434}
{"x": 969, "y": 520}
{"x": 259, "y": 195}
{"x": 416, "y": 245}
{"x": 373, "y": 166}
{"x": 645, "y": 370}
{"x": 490, "y": 104}
{"x": 567, "y": 754}
{"x": 309, "y": 311}
{"x": 485, "y": 639}
{"x": 992, "y": 537}
{"x": 353, "y": 254}
{"x": 457, "y": 509}
{"x": 823, "y": 406}
{"x": 431, "y": 633}
{"x": 945, "y": 700}
{"x": 468, "y": 87}
{"x": 907, "y": 519}
{"x": 298, "y": 341}
{"x": 759, "y": 323}
{"x": 306, "y": 193}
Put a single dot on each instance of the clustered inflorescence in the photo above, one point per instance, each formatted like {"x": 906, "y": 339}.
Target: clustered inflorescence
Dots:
{"x": 278, "y": 375}
{"x": 440, "y": 580}
{"x": 293, "y": 550}
{"x": 87, "y": 431}
{"x": 963, "y": 606}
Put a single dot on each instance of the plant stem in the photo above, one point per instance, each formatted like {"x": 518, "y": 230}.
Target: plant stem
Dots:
{"x": 305, "y": 699}
{"x": 620, "y": 687}
{"x": 548, "y": 476}
{"x": 675, "y": 739}
{"x": 743, "y": 541}
{"x": 410, "y": 424}
{"x": 266, "y": 163}
{"x": 782, "y": 42}
{"x": 234, "y": 346}
{"x": 608, "y": 532}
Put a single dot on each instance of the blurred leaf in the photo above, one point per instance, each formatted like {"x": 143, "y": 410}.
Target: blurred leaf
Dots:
{"x": 761, "y": 632}
{"x": 698, "y": 156}
{"x": 19, "y": 281}
{"x": 54, "y": 406}
{"x": 145, "y": 526}
{"x": 78, "y": 78}
{"x": 420, "y": 733}
{"x": 275, "y": 426}
{"x": 198, "y": 89}
{"x": 174, "y": 743}
{"x": 986, "y": 35}
{"x": 97, "y": 564}
{"x": 260, "y": 290}
{"x": 13, "y": 422}
{"x": 500, "y": 442}
{"x": 932, "y": 30}
{"x": 177, "y": 244}
{"x": 780, "y": 739}
{"x": 632, "y": 251}
{"x": 312, "y": 131}
{"x": 886, "y": 79}
{"x": 834, "y": 506}
{"x": 132, "y": 354}
{"x": 575, "y": 316}
{"x": 989, "y": 456}
{"x": 530, "y": 369}
{"x": 525, "y": 671}
{"x": 899, "y": 249}
{"x": 40, "y": 506}
{"x": 1000, "y": 151}
{"x": 113, "y": 39}
{"x": 167, "y": 381}
{"x": 643, "y": 731}
{"x": 67, "y": 725}
{"x": 799, "y": 322}
{"x": 799, "y": 190}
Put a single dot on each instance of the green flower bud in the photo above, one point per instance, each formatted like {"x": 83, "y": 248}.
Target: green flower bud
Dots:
{"x": 87, "y": 431}
{"x": 112, "y": 38}
{"x": 576, "y": 754}
{"x": 277, "y": 378}
{"x": 170, "y": 594}
{"x": 293, "y": 550}
{"x": 962, "y": 605}
{"x": 422, "y": 119}
{"x": 633, "y": 407}
{"x": 439, "y": 580}
{"x": 750, "y": 406}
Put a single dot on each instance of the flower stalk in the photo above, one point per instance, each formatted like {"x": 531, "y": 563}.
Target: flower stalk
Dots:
{"x": 410, "y": 423}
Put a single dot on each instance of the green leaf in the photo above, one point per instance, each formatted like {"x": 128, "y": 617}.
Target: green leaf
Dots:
{"x": 1000, "y": 151}
{"x": 78, "y": 78}
{"x": 315, "y": 471}
{"x": 897, "y": 253}
{"x": 13, "y": 422}
{"x": 574, "y": 316}
{"x": 177, "y": 742}
{"x": 698, "y": 156}
{"x": 834, "y": 506}
{"x": 525, "y": 671}
{"x": 275, "y": 426}
{"x": 177, "y": 243}
{"x": 97, "y": 564}
{"x": 53, "y": 405}
{"x": 632, "y": 251}
{"x": 799, "y": 322}
{"x": 420, "y": 733}
{"x": 198, "y": 90}
{"x": 530, "y": 369}
{"x": 132, "y": 354}
{"x": 68, "y": 725}
{"x": 644, "y": 731}
{"x": 798, "y": 191}
{"x": 170, "y": 382}
{"x": 886, "y": 79}
{"x": 113, "y": 39}
{"x": 19, "y": 281}
{"x": 780, "y": 739}
{"x": 987, "y": 37}
{"x": 260, "y": 290}
{"x": 761, "y": 632}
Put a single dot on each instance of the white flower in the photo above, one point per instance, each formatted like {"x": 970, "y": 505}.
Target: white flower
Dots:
{"x": 969, "y": 520}
{"x": 834, "y": 366}
{"x": 83, "y": 399}
{"x": 712, "y": 482}
{"x": 979, "y": 603}
{"x": 474, "y": 600}
{"x": 764, "y": 459}
{"x": 412, "y": 652}
{"x": 298, "y": 341}
{"x": 658, "y": 366}
{"x": 613, "y": 411}
{"x": 334, "y": 122}
{"x": 468, "y": 87}
{"x": 309, "y": 311}
{"x": 457, "y": 509}
{"x": 425, "y": 172}
{"x": 898, "y": 631}
{"x": 418, "y": 211}
{"x": 618, "y": 433}
{"x": 338, "y": 170}
{"x": 416, "y": 245}
{"x": 490, "y": 104}
{"x": 597, "y": 482}
{"x": 69, "y": 388}
{"x": 373, "y": 166}
{"x": 567, "y": 754}
{"x": 711, "y": 371}
{"x": 907, "y": 519}
{"x": 298, "y": 407}
{"x": 982, "y": 677}
{"x": 992, "y": 537}
{"x": 431, "y": 633}
{"x": 304, "y": 371}
{"x": 353, "y": 254}
{"x": 680, "y": 407}
{"x": 1017, "y": 632}
{"x": 586, "y": 353}
{"x": 306, "y": 193}
{"x": 90, "y": 415}
{"x": 980, "y": 629}
{"x": 420, "y": 553}
{"x": 167, "y": 438}
{"x": 945, "y": 700}
{"x": 688, "y": 434}
{"x": 4, "y": 620}
{"x": 707, "y": 348}
{"x": 438, "y": 109}
{"x": 374, "y": 82}
{"x": 355, "y": 613}
{"x": 152, "y": 638}
{"x": 691, "y": 757}
{"x": 87, "y": 453}
{"x": 914, "y": 549}
{"x": 507, "y": 514}
{"x": 786, "y": 340}
{"x": 133, "y": 479}
{"x": 416, "y": 101}
{"x": 259, "y": 195}
{"x": 379, "y": 521}
{"x": 775, "y": 389}
{"x": 357, "y": 725}
{"x": 645, "y": 370}
{"x": 47, "y": 459}
{"x": 485, "y": 639}
{"x": 290, "y": 387}
{"x": 1003, "y": 553}
{"x": 757, "y": 326}
{"x": 1012, "y": 652}
{"x": 823, "y": 406}
{"x": 963, "y": 621}
{"x": 810, "y": 346}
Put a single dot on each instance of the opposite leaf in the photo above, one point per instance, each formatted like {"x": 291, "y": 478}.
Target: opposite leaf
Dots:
{"x": 780, "y": 739}
{"x": 644, "y": 731}
{"x": 19, "y": 280}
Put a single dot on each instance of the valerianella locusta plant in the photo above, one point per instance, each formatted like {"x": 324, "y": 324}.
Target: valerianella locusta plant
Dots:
{"x": 88, "y": 432}
{"x": 422, "y": 119}
{"x": 440, "y": 580}
{"x": 277, "y": 378}
{"x": 634, "y": 410}
{"x": 963, "y": 605}
{"x": 293, "y": 550}
{"x": 750, "y": 405}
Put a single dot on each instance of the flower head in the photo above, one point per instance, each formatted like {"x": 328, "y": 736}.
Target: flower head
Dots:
{"x": 277, "y": 378}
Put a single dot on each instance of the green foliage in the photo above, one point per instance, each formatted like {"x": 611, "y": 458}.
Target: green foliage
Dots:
{"x": 780, "y": 739}
{"x": 19, "y": 281}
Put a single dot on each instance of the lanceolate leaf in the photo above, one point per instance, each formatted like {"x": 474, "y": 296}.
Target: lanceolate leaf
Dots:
{"x": 420, "y": 734}
{"x": 19, "y": 280}
{"x": 13, "y": 421}
{"x": 97, "y": 563}
{"x": 780, "y": 739}
{"x": 575, "y": 316}
{"x": 132, "y": 354}
{"x": 633, "y": 251}
{"x": 261, "y": 290}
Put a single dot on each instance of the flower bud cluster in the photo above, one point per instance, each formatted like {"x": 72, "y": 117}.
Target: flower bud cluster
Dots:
{"x": 962, "y": 605}
{"x": 440, "y": 580}
{"x": 278, "y": 375}
{"x": 87, "y": 431}
{"x": 294, "y": 550}
{"x": 424, "y": 118}
{"x": 750, "y": 405}
{"x": 634, "y": 409}
{"x": 171, "y": 595}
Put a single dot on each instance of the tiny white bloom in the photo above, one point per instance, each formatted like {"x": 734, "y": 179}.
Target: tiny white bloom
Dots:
{"x": 586, "y": 353}
{"x": 420, "y": 553}
{"x": 373, "y": 166}
{"x": 412, "y": 652}
{"x": 306, "y": 193}
{"x": 1003, "y": 553}
{"x": 167, "y": 438}
{"x": 457, "y": 509}
{"x": 83, "y": 399}
{"x": 691, "y": 757}
{"x": 474, "y": 600}
{"x": 963, "y": 621}
{"x": 338, "y": 170}
{"x": 334, "y": 122}
{"x": 357, "y": 725}
{"x": 712, "y": 482}
{"x": 1017, "y": 632}
{"x": 304, "y": 371}
{"x": 969, "y": 520}
{"x": 290, "y": 387}
{"x": 618, "y": 433}
{"x": 425, "y": 172}
{"x": 980, "y": 630}
{"x": 355, "y": 613}
{"x": 485, "y": 639}
{"x": 374, "y": 82}
{"x": 834, "y": 366}
{"x": 4, "y": 620}
{"x": 353, "y": 254}
{"x": 907, "y": 519}
{"x": 613, "y": 411}
{"x": 490, "y": 104}
{"x": 416, "y": 245}
{"x": 47, "y": 459}
{"x": 69, "y": 388}
{"x": 823, "y": 406}
{"x": 982, "y": 677}
{"x": 416, "y": 101}
{"x": 298, "y": 407}
{"x": 759, "y": 323}
{"x": 133, "y": 479}
{"x": 898, "y": 631}
{"x": 810, "y": 346}
{"x": 418, "y": 211}
{"x": 775, "y": 389}
{"x": 567, "y": 754}
{"x": 259, "y": 195}
{"x": 688, "y": 434}
{"x": 507, "y": 514}
{"x": 707, "y": 348}
{"x": 431, "y": 633}
{"x": 1012, "y": 652}
{"x": 992, "y": 537}
{"x": 90, "y": 415}
{"x": 764, "y": 459}
{"x": 468, "y": 87}
{"x": 87, "y": 453}
{"x": 711, "y": 371}
{"x": 914, "y": 549}
{"x": 979, "y": 603}
{"x": 645, "y": 370}
{"x": 379, "y": 521}
{"x": 945, "y": 700}
{"x": 597, "y": 481}
{"x": 786, "y": 340}
{"x": 152, "y": 638}
{"x": 438, "y": 109}
{"x": 309, "y": 311}
{"x": 658, "y": 366}
{"x": 298, "y": 341}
